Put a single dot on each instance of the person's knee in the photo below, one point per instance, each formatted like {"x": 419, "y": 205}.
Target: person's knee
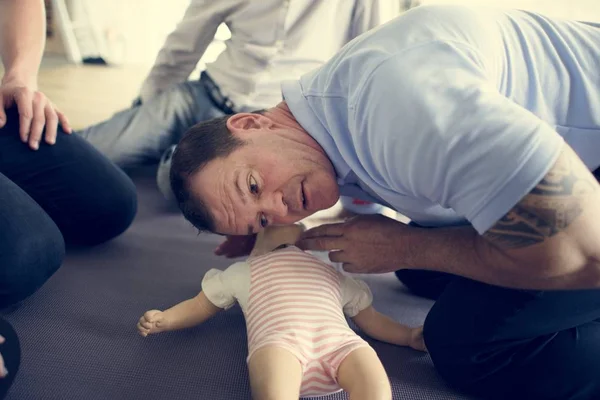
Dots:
{"x": 110, "y": 214}
{"x": 450, "y": 354}
{"x": 32, "y": 258}
{"x": 121, "y": 204}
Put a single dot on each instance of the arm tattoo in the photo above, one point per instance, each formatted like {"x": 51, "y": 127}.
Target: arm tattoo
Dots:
{"x": 549, "y": 208}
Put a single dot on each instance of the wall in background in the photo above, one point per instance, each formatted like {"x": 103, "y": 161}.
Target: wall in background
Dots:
{"x": 133, "y": 30}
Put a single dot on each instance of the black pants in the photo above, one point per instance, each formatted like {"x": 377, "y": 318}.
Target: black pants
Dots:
{"x": 11, "y": 353}
{"x": 63, "y": 194}
{"x": 500, "y": 343}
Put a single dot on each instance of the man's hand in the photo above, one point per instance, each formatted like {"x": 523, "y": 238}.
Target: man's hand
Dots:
{"x": 236, "y": 246}
{"x": 3, "y": 370}
{"x": 35, "y": 111}
{"x": 364, "y": 244}
{"x": 152, "y": 321}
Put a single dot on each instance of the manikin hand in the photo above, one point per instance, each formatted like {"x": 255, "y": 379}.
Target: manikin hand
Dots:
{"x": 152, "y": 321}
{"x": 416, "y": 339}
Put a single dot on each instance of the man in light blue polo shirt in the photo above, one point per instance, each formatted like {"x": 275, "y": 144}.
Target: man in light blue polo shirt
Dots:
{"x": 482, "y": 124}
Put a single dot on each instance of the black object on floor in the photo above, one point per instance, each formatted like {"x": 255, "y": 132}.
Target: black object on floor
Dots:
{"x": 94, "y": 61}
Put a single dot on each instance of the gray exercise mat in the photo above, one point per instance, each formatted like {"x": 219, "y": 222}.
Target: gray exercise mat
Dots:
{"x": 79, "y": 339}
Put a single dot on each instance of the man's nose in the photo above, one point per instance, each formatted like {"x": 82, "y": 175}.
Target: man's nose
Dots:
{"x": 275, "y": 206}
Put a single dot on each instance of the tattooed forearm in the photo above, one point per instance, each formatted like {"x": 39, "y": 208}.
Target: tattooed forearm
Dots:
{"x": 549, "y": 208}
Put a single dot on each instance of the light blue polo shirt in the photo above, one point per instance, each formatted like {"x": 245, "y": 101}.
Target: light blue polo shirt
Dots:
{"x": 450, "y": 115}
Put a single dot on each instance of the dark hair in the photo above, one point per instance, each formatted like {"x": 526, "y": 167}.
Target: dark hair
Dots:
{"x": 201, "y": 144}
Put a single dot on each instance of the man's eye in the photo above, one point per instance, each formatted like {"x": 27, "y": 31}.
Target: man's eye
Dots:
{"x": 253, "y": 186}
{"x": 263, "y": 221}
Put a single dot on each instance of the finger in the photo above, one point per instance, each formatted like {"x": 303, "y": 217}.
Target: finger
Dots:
{"x": 148, "y": 319}
{"x": 141, "y": 327}
{"x": 323, "y": 243}
{"x": 2, "y": 112}
{"x": 147, "y": 324}
{"x": 338, "y": 256}
{"x": 324, "y": 230}
{"x": 238, "y": 251}
{"x": 235, "y": 246}
{"x": 64, "y": 122}
{"x": 3, "y": 370}
{"x": 225, "y": 247}
{"x": 38, "y": 121}
{"x": 51, "y": 124}
{"x": 24, "y": 102}
{"x": 219, "y": 249}
{"x": 142, "y": 331}
{"x": 2, "y": 339}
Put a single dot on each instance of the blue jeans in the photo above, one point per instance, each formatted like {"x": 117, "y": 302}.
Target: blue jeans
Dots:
{"x": 62, "y": 194}
{"x": 141, "y": 134}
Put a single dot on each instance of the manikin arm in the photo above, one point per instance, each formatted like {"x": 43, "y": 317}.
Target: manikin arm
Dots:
{"x": 186, "y": 314}
{"x": 194, "y": 311}
{"x": 385, "y": 329}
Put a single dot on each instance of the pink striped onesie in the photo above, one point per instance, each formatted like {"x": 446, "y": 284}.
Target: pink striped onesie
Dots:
{"x": 295, "y": 301}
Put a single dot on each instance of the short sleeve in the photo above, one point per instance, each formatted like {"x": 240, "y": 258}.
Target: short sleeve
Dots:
{"x": 442, "y": 132}
{"x": 222, "y": 288}
{"x": 356, "y": 296}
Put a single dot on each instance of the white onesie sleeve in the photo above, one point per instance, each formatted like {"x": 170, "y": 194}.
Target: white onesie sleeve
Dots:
{"x": 356, "y": 295}
{"x": 224, "y": 288}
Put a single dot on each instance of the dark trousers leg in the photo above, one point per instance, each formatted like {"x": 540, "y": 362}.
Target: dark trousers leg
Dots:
{"x": 31, "y": 245}
{"x": 510, "y": 344}
{"x": 66, "y": 193}
{"x": 428, "y": 284}
{"x": 11, "y": 353}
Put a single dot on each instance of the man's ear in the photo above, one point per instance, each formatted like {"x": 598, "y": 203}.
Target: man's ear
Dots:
{"x": 246, "y": 122}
